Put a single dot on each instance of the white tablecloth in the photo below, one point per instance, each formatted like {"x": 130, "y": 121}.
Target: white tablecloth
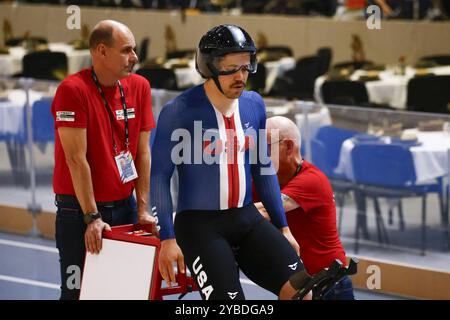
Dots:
{"x": 431, "y": 158}
{"x": 186, "y": 77}
{"x": 11, "y": 111}
{"x": 390, "y": 89}
{"x": 316, "y": 120}
{"x": 76, "y": 59}
{"x": 11, "y": 63}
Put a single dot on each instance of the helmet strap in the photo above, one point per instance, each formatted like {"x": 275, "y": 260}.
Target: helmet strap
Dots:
{"x": 216, "y": 81}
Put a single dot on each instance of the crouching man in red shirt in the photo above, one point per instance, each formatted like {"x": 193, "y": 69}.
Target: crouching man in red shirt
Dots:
{"x": 309, "y": 204}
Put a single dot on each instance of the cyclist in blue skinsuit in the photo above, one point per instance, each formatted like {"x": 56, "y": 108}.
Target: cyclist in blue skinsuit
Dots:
{"x": 211, "y": 133}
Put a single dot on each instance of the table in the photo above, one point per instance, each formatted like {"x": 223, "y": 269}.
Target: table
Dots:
{"x": 391, "y": 89}
{"x": 431, "y": 158}
{"x": 11, "y": 63}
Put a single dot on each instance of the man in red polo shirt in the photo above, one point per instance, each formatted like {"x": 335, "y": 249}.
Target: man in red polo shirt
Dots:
{"x": 103, "y": 119}
{"x": 309, "y": 203}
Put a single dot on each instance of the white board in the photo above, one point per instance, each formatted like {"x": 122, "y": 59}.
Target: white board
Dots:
{"x": 122, "y": 271}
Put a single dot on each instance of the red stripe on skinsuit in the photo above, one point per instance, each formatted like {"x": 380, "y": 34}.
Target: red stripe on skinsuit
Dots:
{"x": 233, "y": 172}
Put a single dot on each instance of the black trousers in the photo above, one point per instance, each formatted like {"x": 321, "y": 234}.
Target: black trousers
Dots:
{"x": 70, "y": 229}
{"x": 216, "y": 243}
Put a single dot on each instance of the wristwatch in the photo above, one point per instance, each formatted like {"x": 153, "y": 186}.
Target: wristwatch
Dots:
{"x": 89, "y": 217}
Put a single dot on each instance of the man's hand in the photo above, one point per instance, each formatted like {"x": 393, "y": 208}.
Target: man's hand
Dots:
{"x": 287, "y": 233}
{"x": 146, "y": 218}
{"x": 262, "y": 210}
{"x": 170, "y": 252}
{"x": 93, "y": 235}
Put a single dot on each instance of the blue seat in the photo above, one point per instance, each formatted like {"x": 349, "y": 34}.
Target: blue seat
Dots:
{"x": 387, "y": 170}
{"x": 331, "y": 138}
{"x": 326, "y": 149}
{"x": 42, "y": 121}
{"x": 319, "y": 157}
{"x": 43, "y": 126}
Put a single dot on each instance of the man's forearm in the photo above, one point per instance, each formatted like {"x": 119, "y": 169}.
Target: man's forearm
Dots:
{"x": 267, "y": 187}
{"x": 143, "y": 181}
{"x": 82, "y": 183}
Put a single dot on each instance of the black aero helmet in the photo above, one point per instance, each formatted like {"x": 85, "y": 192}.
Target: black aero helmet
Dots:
{"x": 219, "y": 41}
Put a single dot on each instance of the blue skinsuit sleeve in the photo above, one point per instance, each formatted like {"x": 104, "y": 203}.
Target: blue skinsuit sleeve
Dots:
{"x": 267, "y": 184}
{"x": 162, "y": 168}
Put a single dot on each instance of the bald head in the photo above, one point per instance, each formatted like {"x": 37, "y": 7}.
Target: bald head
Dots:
{"x": 105, "y": 32}
{"x": 113, "y": 51}
{"x": 286, "y": 129}
{"x": 284, "y": 142}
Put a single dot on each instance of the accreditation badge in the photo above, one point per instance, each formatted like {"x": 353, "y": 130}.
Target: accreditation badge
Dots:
{"x": 125, "y": 165}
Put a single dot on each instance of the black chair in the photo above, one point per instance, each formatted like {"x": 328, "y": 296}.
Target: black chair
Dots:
{"x": 257, "y": 81}
{"x": 345, "y": 92}
{"x": 159, "y": 78}
{"x": 180, "y": 54}
{"x": 429, "y": 94}
{"x": 44, "y": 65}
{"x": 304, "y": 76}
{"x": 353, "y": 65}
{"x": 325, "y": 55}
{"x": 299, "y": 82}
{"x": 143, "y": 50}
{"x": 442, "y": 60}
{"x": 14, "y": 42}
